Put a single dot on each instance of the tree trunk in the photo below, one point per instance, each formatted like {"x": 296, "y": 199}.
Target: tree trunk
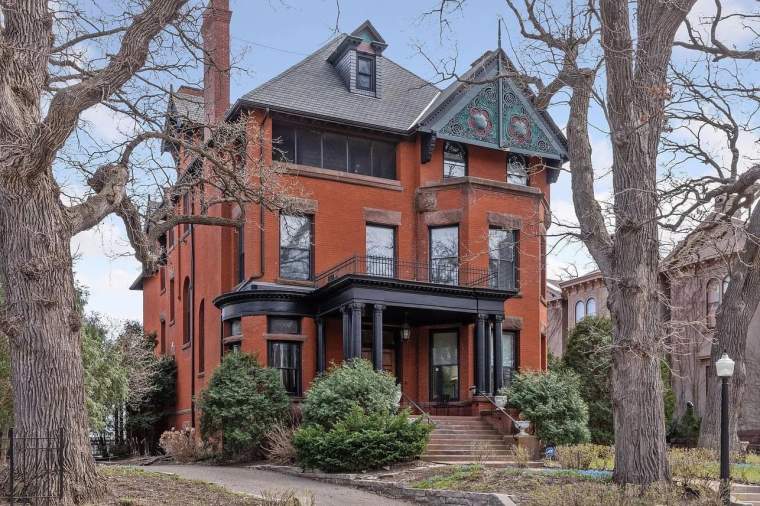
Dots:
{"x": 44, "y": 329}
{"x": 740, "y": 302}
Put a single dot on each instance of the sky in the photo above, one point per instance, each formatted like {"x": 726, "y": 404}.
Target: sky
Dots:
{"x": 267, "y": 38}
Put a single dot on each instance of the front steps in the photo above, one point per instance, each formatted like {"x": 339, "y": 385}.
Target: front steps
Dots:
{"x": 745, "y": 494}
{"x": 467, "y": 440}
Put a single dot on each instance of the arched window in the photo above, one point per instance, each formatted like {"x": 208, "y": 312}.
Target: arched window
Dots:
{"x": 713, "y": 300}
{"x": 591, "y": 307}
{"x": 580, "y": 311}
{"x": 202, "y": 336}
{"x": 454, "y": 160}
{"x": 187, "y": 309}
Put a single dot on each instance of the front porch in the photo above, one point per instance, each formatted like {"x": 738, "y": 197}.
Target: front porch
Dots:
{"x": 438, "y": 333}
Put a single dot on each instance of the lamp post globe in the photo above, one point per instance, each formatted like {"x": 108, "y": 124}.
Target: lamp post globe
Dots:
{"x": 724, "y": 366}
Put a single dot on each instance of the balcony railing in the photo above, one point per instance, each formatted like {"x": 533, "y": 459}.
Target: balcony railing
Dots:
{"x": 440, "y": 272}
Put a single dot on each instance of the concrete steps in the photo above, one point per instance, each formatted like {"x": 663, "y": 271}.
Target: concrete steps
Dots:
{"x": 745, "y": 494}
{"x": 466, "y": 439}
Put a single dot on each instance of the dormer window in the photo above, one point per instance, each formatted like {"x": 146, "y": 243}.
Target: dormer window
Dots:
{"x": 365, "y": 73}
{"x": 517, "y": 170}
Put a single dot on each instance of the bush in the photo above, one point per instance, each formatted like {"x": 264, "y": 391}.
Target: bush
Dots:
{"x": 353, "y": 384}
{"x": 594, "y": 493}
{"x": 685, "y": 430}
{"x": 552, "y": 401}
{"x": 589, "y": 356}
{"x": 242, "y": 402}
{"x": 278, "y": 445}
{"x": 586, "y": 456}
{"x": 695, "y": 463}
{"x": 361, "y": 441}
{"x": 183, "y": 445}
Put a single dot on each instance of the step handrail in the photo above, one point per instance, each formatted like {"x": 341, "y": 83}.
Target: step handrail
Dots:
{"x": 424, "y": 413}
{"x": 515, "y": 423}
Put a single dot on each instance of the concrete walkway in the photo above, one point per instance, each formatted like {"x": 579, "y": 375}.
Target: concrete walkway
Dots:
{"x": 254, "y": 481}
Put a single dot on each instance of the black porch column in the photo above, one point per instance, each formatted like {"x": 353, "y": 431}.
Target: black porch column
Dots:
{"x": 377, "y": 337}
{"x": 346, "y": 332}
{"x": 498, "y": 354}
{"x": 488, "y": 385}
{"x": 356, "y": 329}
{"x": 320, "y": 345}
{"x": 480, "y": 358}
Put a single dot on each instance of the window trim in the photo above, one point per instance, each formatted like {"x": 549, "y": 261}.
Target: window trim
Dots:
{"x": 372, "y": 72}
{"x": 430, "y": 363}
{"x": 430, "y": 250}
{"x": 312, "y": 252}
{"x": 299, "y": 368}
{"x": 466, "y": 160}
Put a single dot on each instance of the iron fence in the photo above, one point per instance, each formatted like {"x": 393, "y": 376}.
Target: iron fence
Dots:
{"x": 34, "y": 467}
{"x": 442, "y": 271}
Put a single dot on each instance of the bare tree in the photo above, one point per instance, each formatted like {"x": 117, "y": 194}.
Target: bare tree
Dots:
{"x": 725, "y": 90}
{"x": 57, "y": 178}
{"x": 581, "y": 44}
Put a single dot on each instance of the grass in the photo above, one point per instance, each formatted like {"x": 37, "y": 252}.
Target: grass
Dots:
{"x": 555, "y": 487}
{"x": 135, "y": 487}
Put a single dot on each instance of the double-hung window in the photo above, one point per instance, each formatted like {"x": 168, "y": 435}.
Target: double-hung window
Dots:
{"x": 285, "y": 356}
{"x": 365, "y": 73}
{"x": 517, "y": 170}
{"x": 381, "y": 251}
{"x": 454, "y": 160}
{"x": 444, "y": 255}
{"x": 295, "y": 247}
{"x": 502, "y": 258}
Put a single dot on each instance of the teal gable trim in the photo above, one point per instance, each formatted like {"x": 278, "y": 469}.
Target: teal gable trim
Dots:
{"x": 471, "y": 115}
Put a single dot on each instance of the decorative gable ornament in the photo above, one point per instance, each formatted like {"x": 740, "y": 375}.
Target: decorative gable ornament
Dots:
{"x": 497, "y": 115}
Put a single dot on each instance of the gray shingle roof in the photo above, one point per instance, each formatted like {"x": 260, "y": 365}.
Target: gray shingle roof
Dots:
{"x": 187, "y": 107}
{"x": 313, "y": 87}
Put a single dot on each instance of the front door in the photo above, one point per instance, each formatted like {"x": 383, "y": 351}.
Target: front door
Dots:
{"x": 390, "y": 349}
{"x": 444, "y": 366}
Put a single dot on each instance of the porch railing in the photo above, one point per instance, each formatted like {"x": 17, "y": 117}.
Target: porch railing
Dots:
{"x": 423, "y": 414}
{"x": 440, "y": 272}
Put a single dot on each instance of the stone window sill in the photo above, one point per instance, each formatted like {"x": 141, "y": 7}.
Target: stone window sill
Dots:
{"x": 343, "y": 177}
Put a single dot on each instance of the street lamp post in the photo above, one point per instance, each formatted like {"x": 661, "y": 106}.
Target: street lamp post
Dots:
{"x": 724, "y": 367}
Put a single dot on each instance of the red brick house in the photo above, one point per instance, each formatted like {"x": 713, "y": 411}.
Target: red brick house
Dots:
{"x": 421, "y": 245}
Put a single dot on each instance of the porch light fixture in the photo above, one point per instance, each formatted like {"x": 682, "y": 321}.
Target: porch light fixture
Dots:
{"x": 406, "y": 330}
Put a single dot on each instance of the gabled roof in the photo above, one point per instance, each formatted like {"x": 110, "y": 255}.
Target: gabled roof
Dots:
{"x": 314, "y": 88}
{"x": 459, "y": 93}
{"x": 186, "y": 105}
{"x": 715, "y": 237}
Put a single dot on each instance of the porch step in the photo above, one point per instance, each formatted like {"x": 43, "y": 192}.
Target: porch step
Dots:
{"x": 463, "y": 439}
{"x": 746, "y": 494}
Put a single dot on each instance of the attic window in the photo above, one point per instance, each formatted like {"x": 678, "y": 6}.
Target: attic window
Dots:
{"x": 365, "y": 73}
{"x": 517, "y": 170}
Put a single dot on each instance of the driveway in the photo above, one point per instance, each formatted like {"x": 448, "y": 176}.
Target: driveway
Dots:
{"x": 254, "y": 481}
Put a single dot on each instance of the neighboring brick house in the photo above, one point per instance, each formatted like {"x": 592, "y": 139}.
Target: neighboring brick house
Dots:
{"x": 570, "y": 301}
{"x": 693, "y": 278}
{"x": 421, "y": 245}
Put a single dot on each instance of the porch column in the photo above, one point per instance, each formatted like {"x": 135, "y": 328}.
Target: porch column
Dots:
{"x": 356, "y": 329}
{"x": 320, "y": 345}
{"x": 498, "y": 354}
{"x": 480, "y": 358}
{"x": 345, "y": 311}
{"x": 488, "y": 385}
{"x": 377, "y": 337}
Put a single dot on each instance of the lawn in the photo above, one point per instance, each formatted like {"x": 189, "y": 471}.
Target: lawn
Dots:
{"x": 135, "y": 487}
{"x": 557, "y": 487}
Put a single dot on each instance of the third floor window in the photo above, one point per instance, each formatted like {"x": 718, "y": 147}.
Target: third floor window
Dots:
{"x": 454, "y": 160}
{"x": 333, "y": 151}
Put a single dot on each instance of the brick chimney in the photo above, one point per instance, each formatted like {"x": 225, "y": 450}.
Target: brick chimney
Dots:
{"x": 216, "y": 74}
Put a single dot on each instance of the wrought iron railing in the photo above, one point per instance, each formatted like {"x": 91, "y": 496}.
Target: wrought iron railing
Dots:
{"x": 439, "y": 272}
{"x": 423, "y": 414}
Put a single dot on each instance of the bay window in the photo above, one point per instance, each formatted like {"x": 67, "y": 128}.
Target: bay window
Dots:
{"x": 502, "y": 258}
